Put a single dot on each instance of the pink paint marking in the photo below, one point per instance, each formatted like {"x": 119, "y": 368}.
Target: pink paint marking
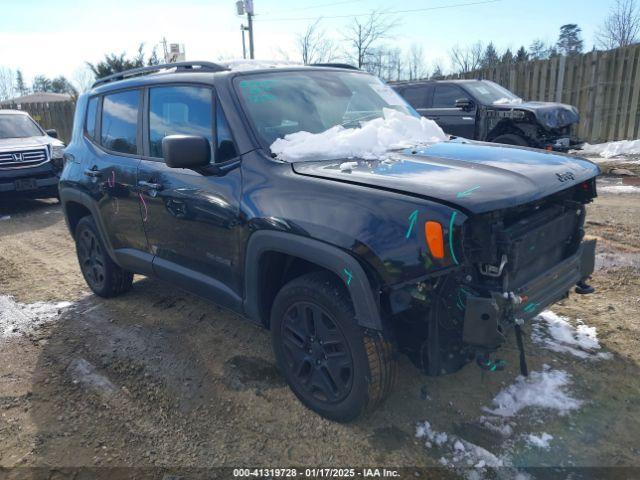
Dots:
{"x": 112, "y": 181}
{"x": 146, "y": 211}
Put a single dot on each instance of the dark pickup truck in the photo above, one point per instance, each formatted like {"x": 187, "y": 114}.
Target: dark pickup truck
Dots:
{"x": 483, "y": 110}
{"x": 436, "y": 249}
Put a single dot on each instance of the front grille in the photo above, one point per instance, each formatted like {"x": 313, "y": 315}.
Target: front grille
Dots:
{"x": 23, "y": 158}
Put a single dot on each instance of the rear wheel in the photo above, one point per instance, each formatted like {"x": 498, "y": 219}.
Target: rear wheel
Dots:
{"x": 511, "y": 139}
{"x": 103, "y": 276}
{"x": 330, "y": 363}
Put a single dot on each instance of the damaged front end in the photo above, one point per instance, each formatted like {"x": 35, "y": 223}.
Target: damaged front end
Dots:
{"x": 545, "y": 125}
{"x": 517, "y": 262}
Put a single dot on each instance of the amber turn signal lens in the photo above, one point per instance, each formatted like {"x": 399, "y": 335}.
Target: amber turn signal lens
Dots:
{"x": 435, "y": 241}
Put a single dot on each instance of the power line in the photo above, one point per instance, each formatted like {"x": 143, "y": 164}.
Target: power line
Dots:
{"x": 389, "y": 12}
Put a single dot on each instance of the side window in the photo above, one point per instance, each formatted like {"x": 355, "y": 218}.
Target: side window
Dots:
{"x": 119, "y": 130}
{"x": 90, "y": 120}
{"x": 179, "y": 110}
{"x": 225, "y": 148}
{"x": 416, "y": 96}
{"x": 445, "y": 96}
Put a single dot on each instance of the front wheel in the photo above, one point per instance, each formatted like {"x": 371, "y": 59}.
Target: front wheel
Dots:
{"x": 511, "y": 139}
{"x": 330, "y": 363}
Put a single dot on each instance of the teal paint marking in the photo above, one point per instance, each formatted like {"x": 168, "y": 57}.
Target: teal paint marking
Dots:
{"x": 453, "y": 255}
{"x": 530, "y": 307}
{"x": 468, "y": 192}
{"x": 413, "y": 218}
{"x": 349, "y": 276}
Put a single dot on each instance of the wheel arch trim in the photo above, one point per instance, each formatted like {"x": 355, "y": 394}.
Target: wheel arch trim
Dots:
{"x": 367, "y": 312}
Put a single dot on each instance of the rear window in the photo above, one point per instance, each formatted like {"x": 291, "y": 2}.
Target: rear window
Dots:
{"x": 119, "y": 131}
{"x": 90, "y": 121}
{"x": 416, "y": 96}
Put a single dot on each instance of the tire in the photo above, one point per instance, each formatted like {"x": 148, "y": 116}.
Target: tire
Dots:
{"x": 331, "y": 364}
{"x": 104, "y": 277}
{"x": 511, "y": 139}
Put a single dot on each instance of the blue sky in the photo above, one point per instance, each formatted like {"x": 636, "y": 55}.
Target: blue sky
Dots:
{"x": 56, "y": 37}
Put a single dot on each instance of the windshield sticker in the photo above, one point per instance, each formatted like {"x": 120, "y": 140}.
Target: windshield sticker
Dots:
{"x": 258, "y": 91}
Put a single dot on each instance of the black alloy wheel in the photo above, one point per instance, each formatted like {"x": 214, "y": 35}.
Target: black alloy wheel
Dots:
{"x": 317, "y": 353}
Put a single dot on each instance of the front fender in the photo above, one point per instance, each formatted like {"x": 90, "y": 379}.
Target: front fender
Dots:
{"x": 328, "y": 256}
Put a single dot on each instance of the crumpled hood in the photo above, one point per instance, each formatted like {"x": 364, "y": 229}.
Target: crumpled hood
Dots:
{"x": 477, "y": 177}
{"x": 28, "y": 142}
{"x": 549, "y": 114}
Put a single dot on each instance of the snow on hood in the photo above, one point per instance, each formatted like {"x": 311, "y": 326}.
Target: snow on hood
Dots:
{"x": 370, "y": 141}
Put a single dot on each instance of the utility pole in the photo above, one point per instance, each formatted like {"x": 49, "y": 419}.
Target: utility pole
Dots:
{"x": 244, "y": 47}
{"x": 246, "y": 6}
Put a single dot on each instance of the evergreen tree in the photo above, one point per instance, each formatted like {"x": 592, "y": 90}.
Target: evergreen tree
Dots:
{"x": 114, "y": 63}
{"x": 507, "y": 57}
{"x": 522, "y": 55}
{"x": 41, "y": 84}
{"x": 490, "y": 57}
{"x": 21, "y": 86}
{"x": 62, "y": 85}
{"x": 570, "y": 41}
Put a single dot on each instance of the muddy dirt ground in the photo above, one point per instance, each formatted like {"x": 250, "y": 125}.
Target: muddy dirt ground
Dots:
{"x": 159, "y": 377}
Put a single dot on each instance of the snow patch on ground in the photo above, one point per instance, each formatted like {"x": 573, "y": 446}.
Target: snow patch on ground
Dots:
{"x": 5, "y": 217}
{"x": 541, "y": 441}
{"x": 546, "y": 389}
{"x": 558, "y": 334}
{"x": 619, "y": 189}
{"x": 458, "y": 452}
{"x": 21, "y": 318}
{"x": 371, "y": 141}
{"x": 612, "y": 149}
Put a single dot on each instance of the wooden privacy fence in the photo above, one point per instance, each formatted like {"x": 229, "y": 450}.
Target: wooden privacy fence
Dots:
{"x": 58, "y": 115}
{"x": 604, "y": 86}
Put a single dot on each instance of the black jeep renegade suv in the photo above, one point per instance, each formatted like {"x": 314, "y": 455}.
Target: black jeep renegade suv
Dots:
{"x": 437, "y": 251}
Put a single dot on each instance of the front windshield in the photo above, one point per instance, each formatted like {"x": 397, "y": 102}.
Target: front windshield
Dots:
{"x": 282, "y": 103}
{"x": 18, "y": 126}
{"x": 490, "y": 93}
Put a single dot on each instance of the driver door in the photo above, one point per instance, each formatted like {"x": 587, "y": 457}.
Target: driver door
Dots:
{"x": 191, "y": 217}
{"x": 452, "y": 120}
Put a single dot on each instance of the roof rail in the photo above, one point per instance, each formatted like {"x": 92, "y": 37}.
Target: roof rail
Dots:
{"x": 334, "y": 65}
{"x": 179, "y": 66}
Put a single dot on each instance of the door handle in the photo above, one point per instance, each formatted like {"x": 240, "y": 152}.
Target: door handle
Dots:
{"x": 93, "y": 173}
{"x": 146, "y": 186}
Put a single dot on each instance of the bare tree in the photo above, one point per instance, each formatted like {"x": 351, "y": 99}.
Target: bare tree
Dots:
{"x": 415, "y": 63}
{"x": 362, "y": 36}
{"x": 82, "y": 79}
{"x": 7, "y": 83}
{"x": 467, "y": 59}
{"x": 622, "y": 27}
{"x": 314, "y": 45}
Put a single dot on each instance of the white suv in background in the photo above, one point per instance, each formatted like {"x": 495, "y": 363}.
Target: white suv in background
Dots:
{"x": 30, "y": 157}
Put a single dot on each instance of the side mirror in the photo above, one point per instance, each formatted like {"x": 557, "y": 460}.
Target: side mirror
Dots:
{"x": 53, "y": 133}
{"x": 465, "y": 104}
{"x": 186, "y": 151}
